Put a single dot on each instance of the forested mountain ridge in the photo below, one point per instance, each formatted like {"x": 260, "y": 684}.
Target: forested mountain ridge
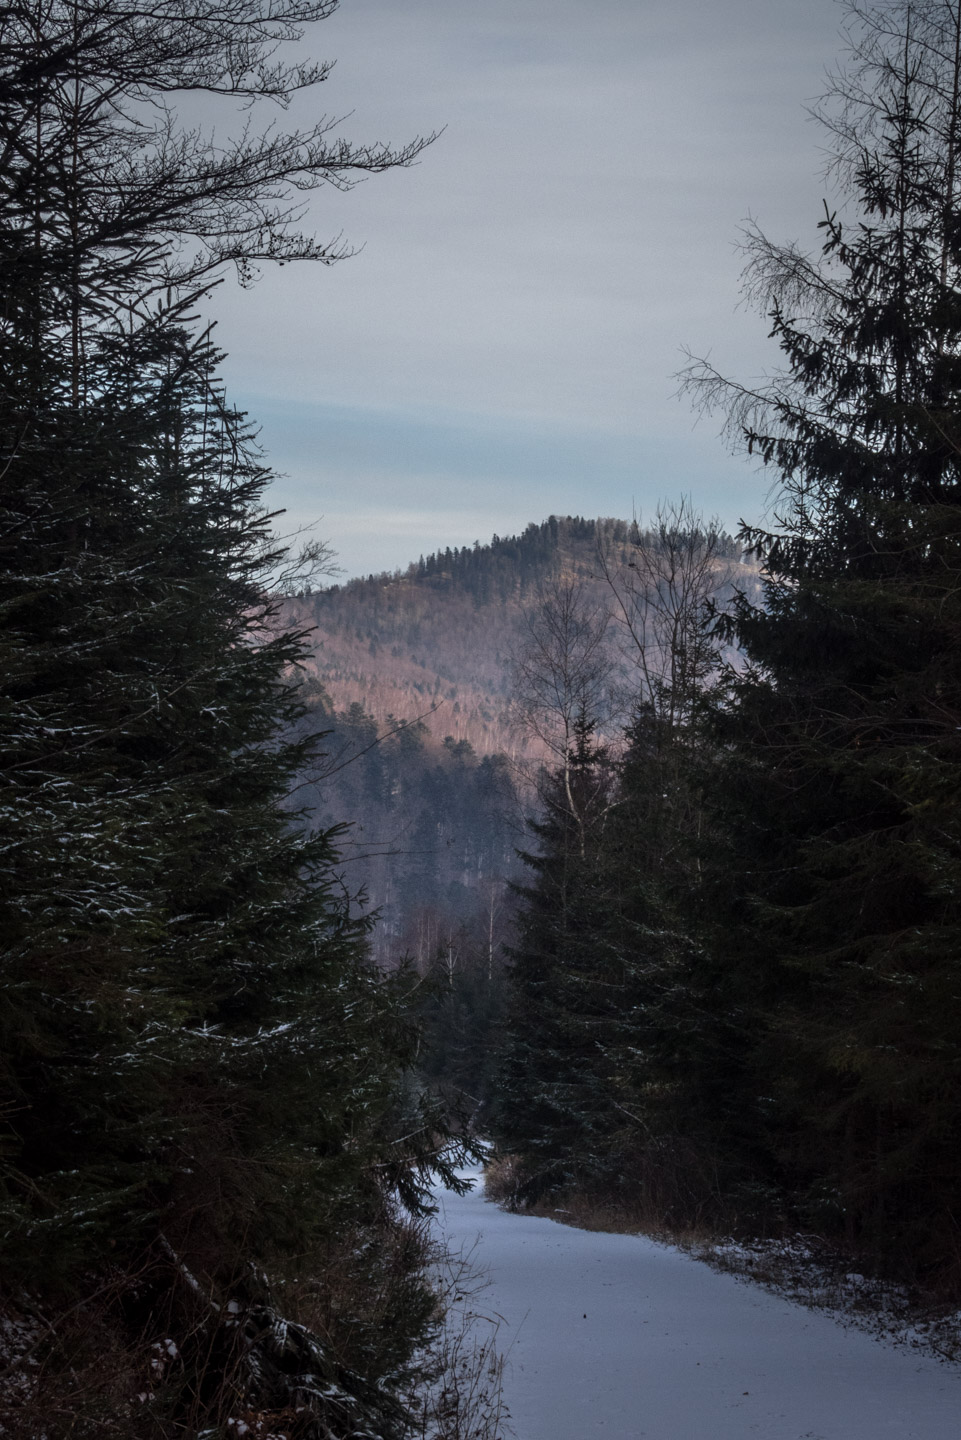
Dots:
{"x": 436, "y": 642}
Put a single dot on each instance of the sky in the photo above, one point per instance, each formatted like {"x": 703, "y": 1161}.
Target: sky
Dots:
{"x": 505, "y": 343}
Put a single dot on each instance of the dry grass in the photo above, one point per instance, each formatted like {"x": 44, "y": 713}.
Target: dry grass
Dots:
{"x": 70, "y": 1371}
{"x": 464, "y": 1398}
{"x": 154, "y": 1356}
{"x": 660, "y": 1205}
{"x": 502, "y": 1177}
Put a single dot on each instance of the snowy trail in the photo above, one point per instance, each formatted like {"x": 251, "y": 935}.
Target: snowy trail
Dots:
{"x": 614, "y": 1336}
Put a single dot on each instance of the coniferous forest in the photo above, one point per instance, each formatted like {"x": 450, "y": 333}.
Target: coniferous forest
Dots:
{"x": 712, "y": 981}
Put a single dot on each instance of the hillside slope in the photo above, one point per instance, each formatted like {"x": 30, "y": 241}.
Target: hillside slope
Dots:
{"x": 435, "y": 642}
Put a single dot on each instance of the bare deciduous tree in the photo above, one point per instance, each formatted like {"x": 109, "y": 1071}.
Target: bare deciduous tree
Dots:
{"x": 565, "y": 669}
{"x": 661, "y": 596}
{"x": 564, "y": 683}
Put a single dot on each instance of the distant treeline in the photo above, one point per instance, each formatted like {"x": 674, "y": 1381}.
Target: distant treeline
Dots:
{"x": 435, "y": 826}
{"x": 510, "y": 565}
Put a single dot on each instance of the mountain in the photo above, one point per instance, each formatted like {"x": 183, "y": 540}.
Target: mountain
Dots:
{"x": 434, "y": 643}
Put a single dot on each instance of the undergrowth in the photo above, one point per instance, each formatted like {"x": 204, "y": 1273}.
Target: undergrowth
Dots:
{"x": 122, "y": 1364}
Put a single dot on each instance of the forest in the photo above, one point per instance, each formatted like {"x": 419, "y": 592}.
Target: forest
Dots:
{"x": 403, "y": 672}
{"x": 624, "y": 855}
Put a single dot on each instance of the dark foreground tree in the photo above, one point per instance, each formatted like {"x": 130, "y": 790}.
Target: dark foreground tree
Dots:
{"x": 847, "y": 862}
{"x": 207, "y": 1152}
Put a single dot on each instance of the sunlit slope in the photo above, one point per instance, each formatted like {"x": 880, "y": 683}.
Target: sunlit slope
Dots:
{"x": 436, "y": 641}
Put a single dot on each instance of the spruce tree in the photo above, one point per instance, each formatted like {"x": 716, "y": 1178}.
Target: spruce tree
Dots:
{"x": 201, "y": 1072}
{"x": 547, "y": 1108}
{"x": 846, "y": 725}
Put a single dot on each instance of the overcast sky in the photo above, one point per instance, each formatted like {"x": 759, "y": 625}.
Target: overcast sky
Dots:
{"x": 504, "y": 346}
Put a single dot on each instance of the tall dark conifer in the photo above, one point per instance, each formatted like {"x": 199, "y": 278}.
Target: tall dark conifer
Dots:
{"x": 199, "y": 1067}
{"x": 848, "y": 722}
{"x": 547, "y": 1107}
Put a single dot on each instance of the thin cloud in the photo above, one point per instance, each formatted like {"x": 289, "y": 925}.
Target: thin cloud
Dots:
{"x": 570, "y": 231}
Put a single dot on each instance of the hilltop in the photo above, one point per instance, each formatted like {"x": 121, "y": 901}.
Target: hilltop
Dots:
{"x": 434, "y": 642}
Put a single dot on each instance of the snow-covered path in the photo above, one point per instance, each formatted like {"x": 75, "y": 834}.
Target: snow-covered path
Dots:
{"x": 614, "y": 1336}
